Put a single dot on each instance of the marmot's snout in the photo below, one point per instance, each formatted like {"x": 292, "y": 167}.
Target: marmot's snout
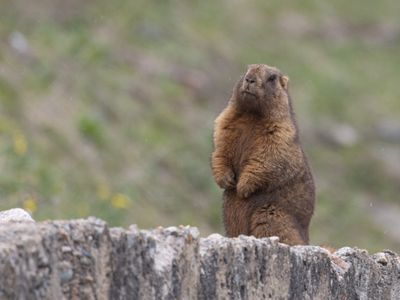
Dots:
{"x": 249, "y": 85}
{"x": 250, "y": 80}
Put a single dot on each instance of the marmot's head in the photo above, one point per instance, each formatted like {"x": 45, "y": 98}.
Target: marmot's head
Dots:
{"x": 263, "y": 90}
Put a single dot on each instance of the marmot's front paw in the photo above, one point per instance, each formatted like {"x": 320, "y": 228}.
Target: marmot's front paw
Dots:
{"x": 227, "y": 180}
{"x": 244, "y": 190}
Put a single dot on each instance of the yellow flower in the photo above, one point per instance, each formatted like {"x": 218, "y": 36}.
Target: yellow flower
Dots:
{"x": 30, "y": 204}
{"x": 103, "y": 191}
{"x": 120, "y": 201}
{"x": 20, "y": 144}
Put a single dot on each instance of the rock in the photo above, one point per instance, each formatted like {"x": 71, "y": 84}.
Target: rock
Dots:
{"x": 156, "y": 264}
{"x": 244, "y": 268}
{"x": 380, "y": 258}
{"x": 338, "y": 135}
{"x": 389, "y": 130}
{"x": 19, "y": 42}
{"x": 16, "y": 215}
{"x": 33, "y": 257}
{"x": 83, "y": 259}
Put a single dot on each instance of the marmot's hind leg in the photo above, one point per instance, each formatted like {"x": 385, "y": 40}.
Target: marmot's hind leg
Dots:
{"x": 273, "y": 221}
{"x": 236, "y": 217}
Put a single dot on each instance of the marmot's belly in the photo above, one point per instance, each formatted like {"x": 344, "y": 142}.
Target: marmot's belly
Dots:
{"x": 289, "y": 205}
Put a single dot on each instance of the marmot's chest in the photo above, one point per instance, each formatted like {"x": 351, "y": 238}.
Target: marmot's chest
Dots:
{"x": 245, "y": 141}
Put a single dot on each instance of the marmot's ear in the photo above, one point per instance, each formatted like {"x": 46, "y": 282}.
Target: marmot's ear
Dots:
{"x": 284, "y": 81}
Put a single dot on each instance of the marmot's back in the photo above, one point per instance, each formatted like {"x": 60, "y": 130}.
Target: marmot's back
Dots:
{"x": 259, "y": 161}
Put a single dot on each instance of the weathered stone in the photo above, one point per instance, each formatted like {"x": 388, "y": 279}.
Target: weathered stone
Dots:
{"x": 15, "y": 215}
{"x": 33, "y": 257}
{"x": 156, "y": 264}
{"x": 243, "y": 268}
{"x": 82, "y": 259}
{"x": 309, "y": 278}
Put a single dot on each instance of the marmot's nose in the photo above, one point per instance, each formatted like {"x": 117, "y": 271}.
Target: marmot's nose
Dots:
{"x": 250, "y": 80}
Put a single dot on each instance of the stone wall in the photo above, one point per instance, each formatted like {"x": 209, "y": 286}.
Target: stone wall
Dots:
{"x": 84, "y": 259}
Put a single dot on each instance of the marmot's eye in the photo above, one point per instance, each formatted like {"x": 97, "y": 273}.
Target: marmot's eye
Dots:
{"x": 272, "y": 77}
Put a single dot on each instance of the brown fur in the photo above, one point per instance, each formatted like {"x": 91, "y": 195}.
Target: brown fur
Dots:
{"x": 259, "y": 162}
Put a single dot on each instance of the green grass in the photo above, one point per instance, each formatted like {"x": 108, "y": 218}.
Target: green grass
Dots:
{"x": 110, "y": 111}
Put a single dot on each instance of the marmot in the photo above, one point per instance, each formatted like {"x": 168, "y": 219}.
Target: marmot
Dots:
{"x": 259, "y": 162}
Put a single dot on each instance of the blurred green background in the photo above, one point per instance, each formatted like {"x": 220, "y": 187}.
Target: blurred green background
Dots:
{"x": 107, "y": 107}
